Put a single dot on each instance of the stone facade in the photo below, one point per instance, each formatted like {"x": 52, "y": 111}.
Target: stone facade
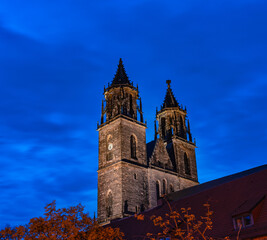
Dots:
{"x": 133, "y": 175}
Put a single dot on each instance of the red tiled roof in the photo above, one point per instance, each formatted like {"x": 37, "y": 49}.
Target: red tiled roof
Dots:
{"x": 227, "y": 196}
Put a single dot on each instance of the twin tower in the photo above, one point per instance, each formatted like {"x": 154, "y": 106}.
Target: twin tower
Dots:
{"x": 133, "y": 174}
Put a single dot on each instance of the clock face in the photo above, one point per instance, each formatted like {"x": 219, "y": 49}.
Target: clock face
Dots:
{"x": 110, "y": 146}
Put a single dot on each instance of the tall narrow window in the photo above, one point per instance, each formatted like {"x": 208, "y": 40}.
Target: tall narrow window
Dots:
{"x": 131, "y": 106}
{"x": 157, "y": 190}
{"x": 125, "y": 206}
{"x": 124, "y": 109}
{"x": 109, "y": 203}
{"x": 133, "y": 147}
{"x": 171, "y": 188}
{"x": 142, "y": 208}
{"x": 163, "y": 127}
{"x": 186, "y": 165}
{"x": 182, "y": 130}
{"x": 164, "y": 187}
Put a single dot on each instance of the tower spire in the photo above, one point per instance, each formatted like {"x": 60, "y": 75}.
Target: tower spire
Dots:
{"x": 121, "y": 98}
{"x": 169, "y": 100}
{"x": 120, "y": 76}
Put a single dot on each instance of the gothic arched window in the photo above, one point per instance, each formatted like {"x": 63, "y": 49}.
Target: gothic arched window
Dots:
{"x": 186, "y": 165}
{"x": 171, "y": 188}
{"x": 124, "y": 109}
{"x": 157, "y": 190}
{"x": 164, "y": 187}
{"x": 131, "y": 106}
{"x": 109, "y": 203}
{"x": 133, "y": 147}
{"x": 142, "y": 208}
{"x": 182, "y": 132}
{"x": 163, "y": 127}
{"x": 125, "y": 206}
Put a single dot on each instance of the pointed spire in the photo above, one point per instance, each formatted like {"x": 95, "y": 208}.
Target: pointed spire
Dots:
{"x": 120, "y": 76}
{"x": 169, "y": 100}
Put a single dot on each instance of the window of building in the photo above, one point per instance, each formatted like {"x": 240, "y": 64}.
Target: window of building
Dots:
{"x": 243, "y": 221}
{"x": 171, "y": 188}
{"x": 157, "y": 190}
{"x": 163, "y": 127}
{"x": 131, "y": 105}
{"x": 125, "y": 206}
{"x": 142, "y": 207}
{"x": 164, "y": 187}
{"x": 135, "y": 176}
{"x": 186, "y": 165}
{"x": 182, "y": 131}
{"x": 109, "y": 203}
{"x": 247, "y": 220}
{"x": 133, "y": 147}
{"x": 109, "y": 156}
{"x": 144, "y": 186}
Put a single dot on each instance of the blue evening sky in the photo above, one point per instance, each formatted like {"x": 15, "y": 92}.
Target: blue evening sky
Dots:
{"x": 56, "y": 56}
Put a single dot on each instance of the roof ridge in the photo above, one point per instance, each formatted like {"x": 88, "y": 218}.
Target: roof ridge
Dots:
{"x": 214, "y": 183}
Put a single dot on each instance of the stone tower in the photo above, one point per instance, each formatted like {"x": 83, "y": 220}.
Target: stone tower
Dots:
{"x": 175, "y": 132}
{"x": 122, "y": 151}
{"x": 133, "y": 175}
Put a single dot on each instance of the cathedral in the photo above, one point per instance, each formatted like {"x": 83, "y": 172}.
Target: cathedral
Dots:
{"x": 133, "y": 174}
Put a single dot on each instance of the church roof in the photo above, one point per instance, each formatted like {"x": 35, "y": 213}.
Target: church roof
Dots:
{"x": 227, "y": 196}
{"x": 150, "y": 148}
{"x": 169, "y": 100}
{"x": 120, "y": 76}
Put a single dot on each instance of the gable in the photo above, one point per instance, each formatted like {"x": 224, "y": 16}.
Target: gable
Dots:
{"x": 160, "y": 156}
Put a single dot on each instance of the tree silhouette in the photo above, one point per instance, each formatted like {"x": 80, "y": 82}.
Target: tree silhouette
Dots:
{"x": 60, "y": 224}
{"x": 182, "y": 225}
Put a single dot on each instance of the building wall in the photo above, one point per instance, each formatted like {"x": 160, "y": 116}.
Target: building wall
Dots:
{"x": 109, "y": 180}
{"x": 134, "y": 187}
{"x": 155, "y": 175}
{"x": 110, "y": 133}
{"x": 181, "y": 147}
{"x": 115, "y": 174}
{"x": 130, "y": 128}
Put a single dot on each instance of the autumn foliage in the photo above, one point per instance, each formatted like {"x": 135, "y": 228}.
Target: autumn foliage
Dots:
{"x": 65, "y": 223}
{"x": 182, "y": 225}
